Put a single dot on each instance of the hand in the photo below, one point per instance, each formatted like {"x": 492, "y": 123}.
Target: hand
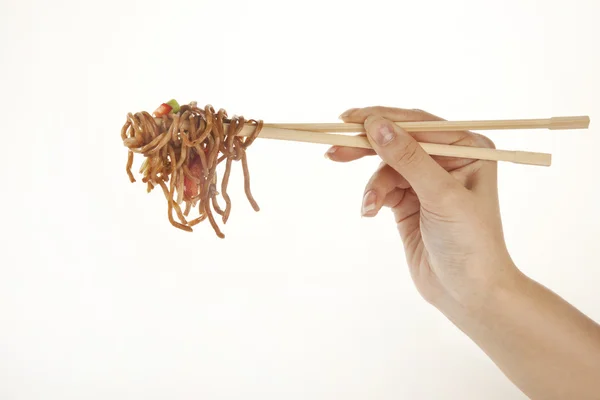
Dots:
{"x": 446, "y": 209}
{"x": 447, "y": 213}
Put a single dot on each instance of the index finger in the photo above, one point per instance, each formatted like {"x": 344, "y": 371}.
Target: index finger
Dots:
{"x": 359, "y": 115}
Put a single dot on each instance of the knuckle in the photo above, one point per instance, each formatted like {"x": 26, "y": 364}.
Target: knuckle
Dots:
{"x": 373, "y": 180}
{"x": 380, "y": 174}
{"x": 382, "y": 165}
{"x": 485, "y": 141}
{"x": 407, "y": 153}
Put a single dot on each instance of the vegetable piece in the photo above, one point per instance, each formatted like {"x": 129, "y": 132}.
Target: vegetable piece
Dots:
{"x": 192, "y": 189}
{"x": 163, "y": 109}
{"x": 174, "y": 105}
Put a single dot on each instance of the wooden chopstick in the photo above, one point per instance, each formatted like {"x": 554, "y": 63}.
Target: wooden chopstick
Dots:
{"x": 316, "y": 133}
{"x": 477, "y": 153}
{"x": 555, "y": 123}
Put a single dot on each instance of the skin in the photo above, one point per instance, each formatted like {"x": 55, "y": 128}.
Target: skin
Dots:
{"x": 448, "y": 217}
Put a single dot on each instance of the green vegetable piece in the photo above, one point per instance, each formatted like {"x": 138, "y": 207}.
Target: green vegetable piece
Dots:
{"x": 174, "y": 104}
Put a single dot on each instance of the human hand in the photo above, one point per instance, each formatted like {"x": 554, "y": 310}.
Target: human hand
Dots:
{"x": 446, "y": 209}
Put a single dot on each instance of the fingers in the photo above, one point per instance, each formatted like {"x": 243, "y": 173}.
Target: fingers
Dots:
{"x": 406, "y": 206}
{"x": 464, "y": 169}
{"x": 405, "y": 210}
{"x": 346, "y": 154}
{"x": 403, "y": 153}
{"x": 387, "y": 188}
{"x": 384, "y": 182}
{"x": 358, "y": 115}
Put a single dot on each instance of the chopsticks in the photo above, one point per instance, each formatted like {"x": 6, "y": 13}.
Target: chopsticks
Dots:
{"x": 553, "y": 123}
{"x": 329, "y": 134}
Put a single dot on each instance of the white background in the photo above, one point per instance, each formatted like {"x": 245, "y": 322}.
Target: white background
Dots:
{"x": 101, "y": 298}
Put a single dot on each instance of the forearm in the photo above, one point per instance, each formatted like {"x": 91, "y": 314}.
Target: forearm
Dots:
{"x": 544, "y": 345}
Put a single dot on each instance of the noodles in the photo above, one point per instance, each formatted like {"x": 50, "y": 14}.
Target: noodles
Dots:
{"x": 183, "y": 147}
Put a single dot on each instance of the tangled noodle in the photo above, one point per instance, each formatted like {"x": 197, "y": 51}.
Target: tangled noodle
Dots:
{"x": 182, "y": 152}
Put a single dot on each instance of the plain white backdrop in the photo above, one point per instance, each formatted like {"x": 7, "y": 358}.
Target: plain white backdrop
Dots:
{"x": 101, "y": 298}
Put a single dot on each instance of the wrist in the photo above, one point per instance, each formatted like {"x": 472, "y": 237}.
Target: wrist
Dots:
{"x": 487, "y": 296}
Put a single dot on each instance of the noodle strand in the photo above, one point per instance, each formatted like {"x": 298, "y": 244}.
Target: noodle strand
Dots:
{"x": 184, "y": 149}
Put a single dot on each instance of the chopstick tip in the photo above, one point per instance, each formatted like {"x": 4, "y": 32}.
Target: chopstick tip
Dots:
{"x": 582, "y": 122}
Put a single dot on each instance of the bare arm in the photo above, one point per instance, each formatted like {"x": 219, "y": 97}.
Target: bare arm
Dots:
{"x": 544, "y": 345}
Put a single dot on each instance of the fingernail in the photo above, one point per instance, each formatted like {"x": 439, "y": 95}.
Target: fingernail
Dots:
{"x": 346, "y": 114}
{"x": 368, "y": 205}
{"x": 330, "y": 152}
{"x": 384, "y": 133}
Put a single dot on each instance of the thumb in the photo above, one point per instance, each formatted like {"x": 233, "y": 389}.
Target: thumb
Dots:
{"x": 403, "y": 153}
